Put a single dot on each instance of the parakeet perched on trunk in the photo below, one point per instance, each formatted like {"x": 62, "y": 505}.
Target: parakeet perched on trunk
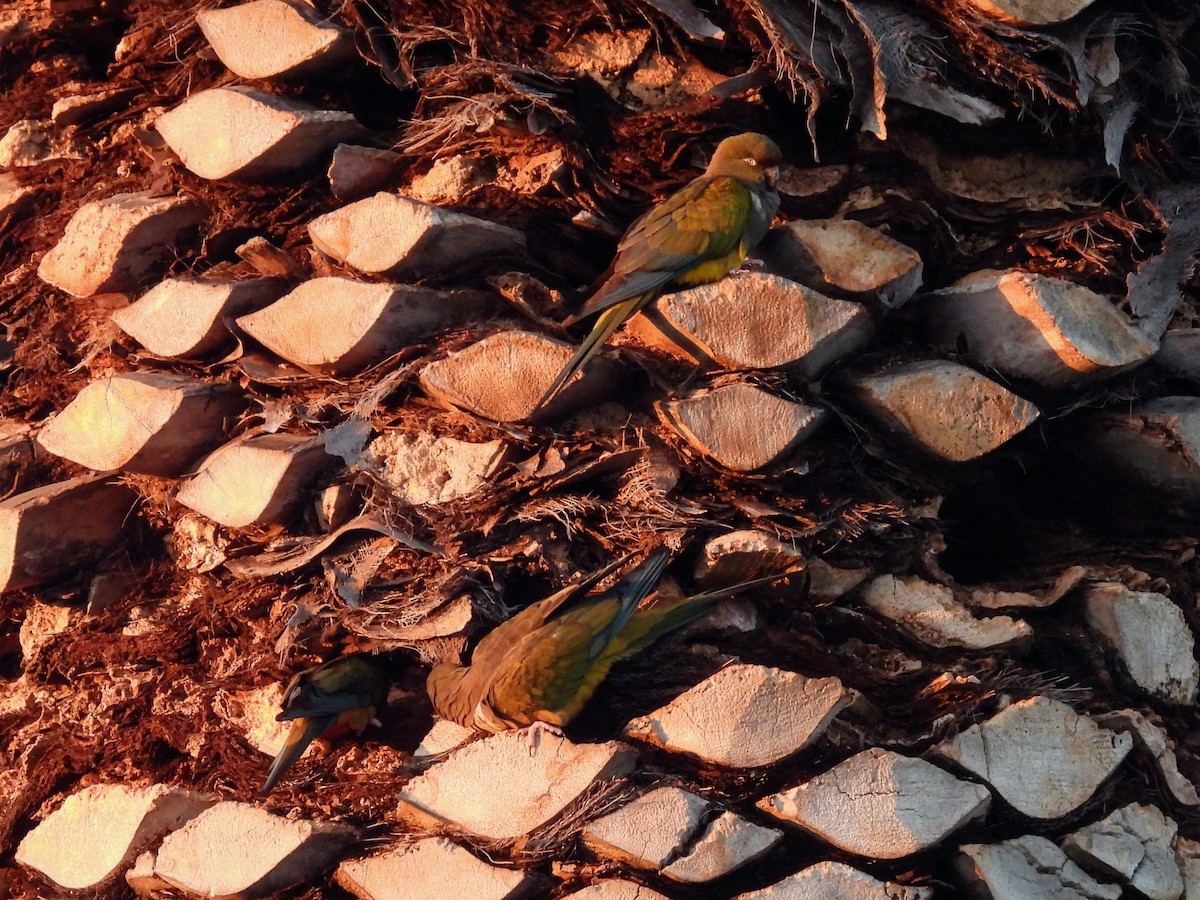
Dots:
{"x": 544, "y": 663}
{"x": 328, "y": 701}
{"x": 698, "y": 235}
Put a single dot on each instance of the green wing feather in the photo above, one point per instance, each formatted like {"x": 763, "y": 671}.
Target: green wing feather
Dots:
{"x": 562, "y": 669}
{"x": 707, "y": 223}
{"x": 551, "y": 678}
{"x": 554, "y": 670}
{"x": 658, "y": 620}
{"x": 705, "y": 220}
{"x": 497, "y": 643}
{"x": 455, "y": 690}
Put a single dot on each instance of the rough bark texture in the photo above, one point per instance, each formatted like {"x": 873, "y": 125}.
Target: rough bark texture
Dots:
{"x": 1065, "y": 151}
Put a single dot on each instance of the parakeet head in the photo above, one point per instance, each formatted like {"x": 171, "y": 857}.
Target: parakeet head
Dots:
{"x": 751, "y": 157}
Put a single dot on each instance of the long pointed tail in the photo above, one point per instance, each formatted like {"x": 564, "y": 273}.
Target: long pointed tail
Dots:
{"x": 303, "y": 733}
{"x": 651, "y": 624}
{"x": 610, "y": 320}
{"x": 630, "y": 591}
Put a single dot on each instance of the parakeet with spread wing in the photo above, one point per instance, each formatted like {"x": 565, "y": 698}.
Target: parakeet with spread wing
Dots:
{"x": 545, "y": 663}
{"x": 698, "y": 235}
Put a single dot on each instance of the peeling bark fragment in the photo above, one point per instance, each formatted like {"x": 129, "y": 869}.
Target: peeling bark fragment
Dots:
{"x": 836, "y": 881}
{"x": 1154, "y": 288}
{"x": 424, "y": 870}
{"x": 691, "y": 20}
{"x": 994, "y": 598}
{"x": 274, "y": 39}
{"x": 250, "y": 135}
{"x": 745, "y": 716}
{"x": 881, "y": 53}
{"x": 946, "y": 409}
{"x": 98, "y": 832}
{"x": 1027, "y": 867}
{"x": 117, "y": 243}
{"x": 1133, "y": 845}
{"x": 930, "y": 613}
{"x": 744, "y": 556}
{"x": 899, "y": 45}
{"x": 1150, "y": 636}
{"x": 881, "y": 804}
{"x": 1040, "y": 755}
{"x": 1154, "y": 739}
{"x": 500, "y": 788}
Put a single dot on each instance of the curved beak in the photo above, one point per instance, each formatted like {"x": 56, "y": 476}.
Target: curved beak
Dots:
{"x": 771, "y": 176}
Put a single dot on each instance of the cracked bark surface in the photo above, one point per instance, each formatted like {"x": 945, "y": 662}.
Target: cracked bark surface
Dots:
{"x": 138, "y": 639}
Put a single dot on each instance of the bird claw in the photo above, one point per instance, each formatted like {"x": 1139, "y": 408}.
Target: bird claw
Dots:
{"x": 531, "y": 735}
{"x": 749, "y": 264}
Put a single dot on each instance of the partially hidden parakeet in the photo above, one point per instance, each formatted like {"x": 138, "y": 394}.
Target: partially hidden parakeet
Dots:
{"x": 696, "y": 236}
{"x": 327, "y": 701}
{"x": 545, "y": 663}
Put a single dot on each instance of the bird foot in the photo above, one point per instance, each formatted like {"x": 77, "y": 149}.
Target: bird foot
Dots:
{"x": 531, "y": 735}
{"x": 750, "y": 263}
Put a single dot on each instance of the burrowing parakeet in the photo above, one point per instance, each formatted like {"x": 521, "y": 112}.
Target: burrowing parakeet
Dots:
{"x": 698, "y": 235}
{"x": 328, "y": 701}
{"x": 544, "y": 663}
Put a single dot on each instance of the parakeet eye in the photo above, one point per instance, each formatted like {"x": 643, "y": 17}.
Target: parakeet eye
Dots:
{"x": 751, "y": 161}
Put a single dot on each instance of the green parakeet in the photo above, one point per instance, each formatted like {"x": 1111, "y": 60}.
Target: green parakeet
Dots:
{"x": 544, "y": 664}
{"x": 698, "y": 235}
{"x": 328, "y": 701}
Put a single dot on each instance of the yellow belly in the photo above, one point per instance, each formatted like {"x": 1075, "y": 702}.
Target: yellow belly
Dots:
{"x": 713, "y": 269}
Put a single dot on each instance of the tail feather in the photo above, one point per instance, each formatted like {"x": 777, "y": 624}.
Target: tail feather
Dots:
{"x": 630, "y": 591}
{"x": 303, "y": 733}
{"x": 657, "y": 621}
{"x": 610, "y": 320}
